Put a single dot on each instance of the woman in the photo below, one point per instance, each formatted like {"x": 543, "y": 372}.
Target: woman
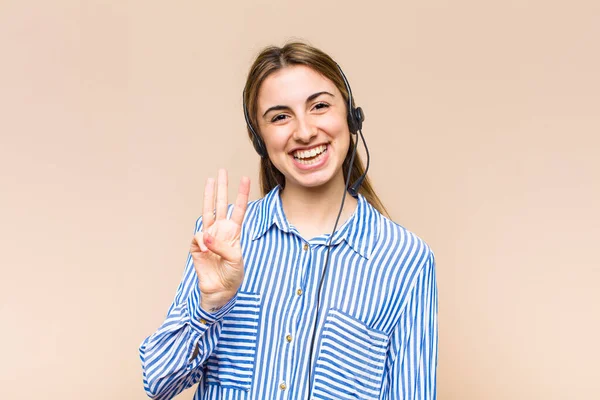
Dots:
{"x": 272, "y": 305}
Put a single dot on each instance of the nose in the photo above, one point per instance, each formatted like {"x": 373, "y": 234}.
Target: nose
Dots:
{"x": 305, "y": 131}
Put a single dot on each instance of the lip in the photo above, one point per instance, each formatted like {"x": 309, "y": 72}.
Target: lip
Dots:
{"x": 304, "y": 148}
{"x": 314, "y": 166}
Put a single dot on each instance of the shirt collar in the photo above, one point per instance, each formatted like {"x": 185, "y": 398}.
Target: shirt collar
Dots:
{"x": 360, "y": 231}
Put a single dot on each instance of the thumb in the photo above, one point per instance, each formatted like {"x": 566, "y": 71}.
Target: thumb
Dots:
{"x": 221, "y": 248}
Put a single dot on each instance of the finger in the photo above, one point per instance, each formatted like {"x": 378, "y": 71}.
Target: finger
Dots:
{"x": 222, "y": 194}
{"x": 208, "y": 213}
{"x": 199, "y": 242}
{"x": 241, "y": 202}
{"x": 221, "y": 248}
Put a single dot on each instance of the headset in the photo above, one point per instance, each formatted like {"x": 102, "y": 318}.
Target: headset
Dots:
{"x": 355, "y": 117}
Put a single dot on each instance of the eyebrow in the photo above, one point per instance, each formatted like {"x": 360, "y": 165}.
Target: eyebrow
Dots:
{"x": 308, "y": 100}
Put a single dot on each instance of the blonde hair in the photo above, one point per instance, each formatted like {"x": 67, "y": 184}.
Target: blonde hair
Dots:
{"x": 272, "y": 59}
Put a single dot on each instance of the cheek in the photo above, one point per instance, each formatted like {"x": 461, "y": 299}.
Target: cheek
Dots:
{"x": 335, "y": 125}
{"x": 275, "y": 137}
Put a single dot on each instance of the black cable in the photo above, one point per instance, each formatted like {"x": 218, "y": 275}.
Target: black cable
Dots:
{"x": 321, "y": 279}
{"x": 359, "y": 181}
{"x": 368, "y": 157}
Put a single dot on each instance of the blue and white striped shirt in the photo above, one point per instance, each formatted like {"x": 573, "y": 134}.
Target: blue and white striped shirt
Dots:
{"x": 377, "y": 329}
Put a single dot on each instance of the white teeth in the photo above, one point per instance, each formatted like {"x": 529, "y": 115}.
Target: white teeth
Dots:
{"x": 311, "y": 161}
{"x": 301, "y": 154}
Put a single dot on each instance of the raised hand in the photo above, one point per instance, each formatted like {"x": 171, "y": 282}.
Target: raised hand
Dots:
{"x": 216, "y": 249}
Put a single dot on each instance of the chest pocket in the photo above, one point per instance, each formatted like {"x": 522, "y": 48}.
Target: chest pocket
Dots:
{"x": 232, "y": 363}
{"x": 351, "y": 360}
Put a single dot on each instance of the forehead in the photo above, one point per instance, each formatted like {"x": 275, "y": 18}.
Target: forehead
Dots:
{"x": 293, "y": 84}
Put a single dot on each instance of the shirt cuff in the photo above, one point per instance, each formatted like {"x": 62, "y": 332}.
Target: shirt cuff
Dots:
{"x": 202, "y": 320}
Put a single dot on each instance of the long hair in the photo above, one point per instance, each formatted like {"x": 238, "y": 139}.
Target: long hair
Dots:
{"x": 272, "y": 59}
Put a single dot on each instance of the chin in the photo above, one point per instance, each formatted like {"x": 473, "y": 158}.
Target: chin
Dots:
{"x": 314, "y": 180}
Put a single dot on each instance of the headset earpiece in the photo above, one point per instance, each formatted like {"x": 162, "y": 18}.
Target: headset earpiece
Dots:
{"x": 257, "y": 141}
{"x": 355, "y": 119}
{"x": 356, "y": 116}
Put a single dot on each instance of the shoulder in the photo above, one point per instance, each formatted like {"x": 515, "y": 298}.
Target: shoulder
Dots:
{"x": 402, "y": 248}
{"x": 399, "y": 235}
{"x": 254, "y": 209}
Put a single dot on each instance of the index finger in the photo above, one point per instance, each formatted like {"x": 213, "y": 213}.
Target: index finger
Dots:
{"x": 241, "y": 202}
{"x": 221, "y": 207}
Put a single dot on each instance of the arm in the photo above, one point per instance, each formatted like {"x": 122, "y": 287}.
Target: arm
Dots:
{"x": 172, "y": 358}
{"x": 412, "y": 375}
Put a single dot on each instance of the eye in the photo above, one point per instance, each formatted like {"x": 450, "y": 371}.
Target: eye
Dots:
{"x": 278, "y": 118}
{"x": 321, "y": 106}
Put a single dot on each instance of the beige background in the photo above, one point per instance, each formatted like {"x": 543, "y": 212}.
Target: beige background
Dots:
{"x": 483, "y": 119}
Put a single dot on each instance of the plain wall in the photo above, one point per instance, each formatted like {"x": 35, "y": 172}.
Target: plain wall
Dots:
{"x": 482, "y": 119}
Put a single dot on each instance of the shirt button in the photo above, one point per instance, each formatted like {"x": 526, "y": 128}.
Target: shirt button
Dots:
{"x": 305, "y": 247}
{"x": 282, "y": 386}
{"x": 299, "y": 292}
{"x": 288, "y": 337}
{"x": 203, "y": 321}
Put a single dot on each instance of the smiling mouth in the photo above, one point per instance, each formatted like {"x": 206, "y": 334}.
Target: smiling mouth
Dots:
{"x": 311, "y": 156}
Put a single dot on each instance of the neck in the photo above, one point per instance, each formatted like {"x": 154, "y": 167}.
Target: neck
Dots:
{"x": 313, "y": 211}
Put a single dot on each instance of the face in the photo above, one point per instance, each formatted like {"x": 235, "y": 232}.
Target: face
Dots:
{"x": 303, "y": 121}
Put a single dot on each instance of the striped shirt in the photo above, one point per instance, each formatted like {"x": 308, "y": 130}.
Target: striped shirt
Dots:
{"x": 376, "y": 334}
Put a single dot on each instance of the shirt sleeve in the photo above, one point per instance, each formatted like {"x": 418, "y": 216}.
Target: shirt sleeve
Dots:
{"x": 167, "y": 356}
{"x": 412, "y": 375}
